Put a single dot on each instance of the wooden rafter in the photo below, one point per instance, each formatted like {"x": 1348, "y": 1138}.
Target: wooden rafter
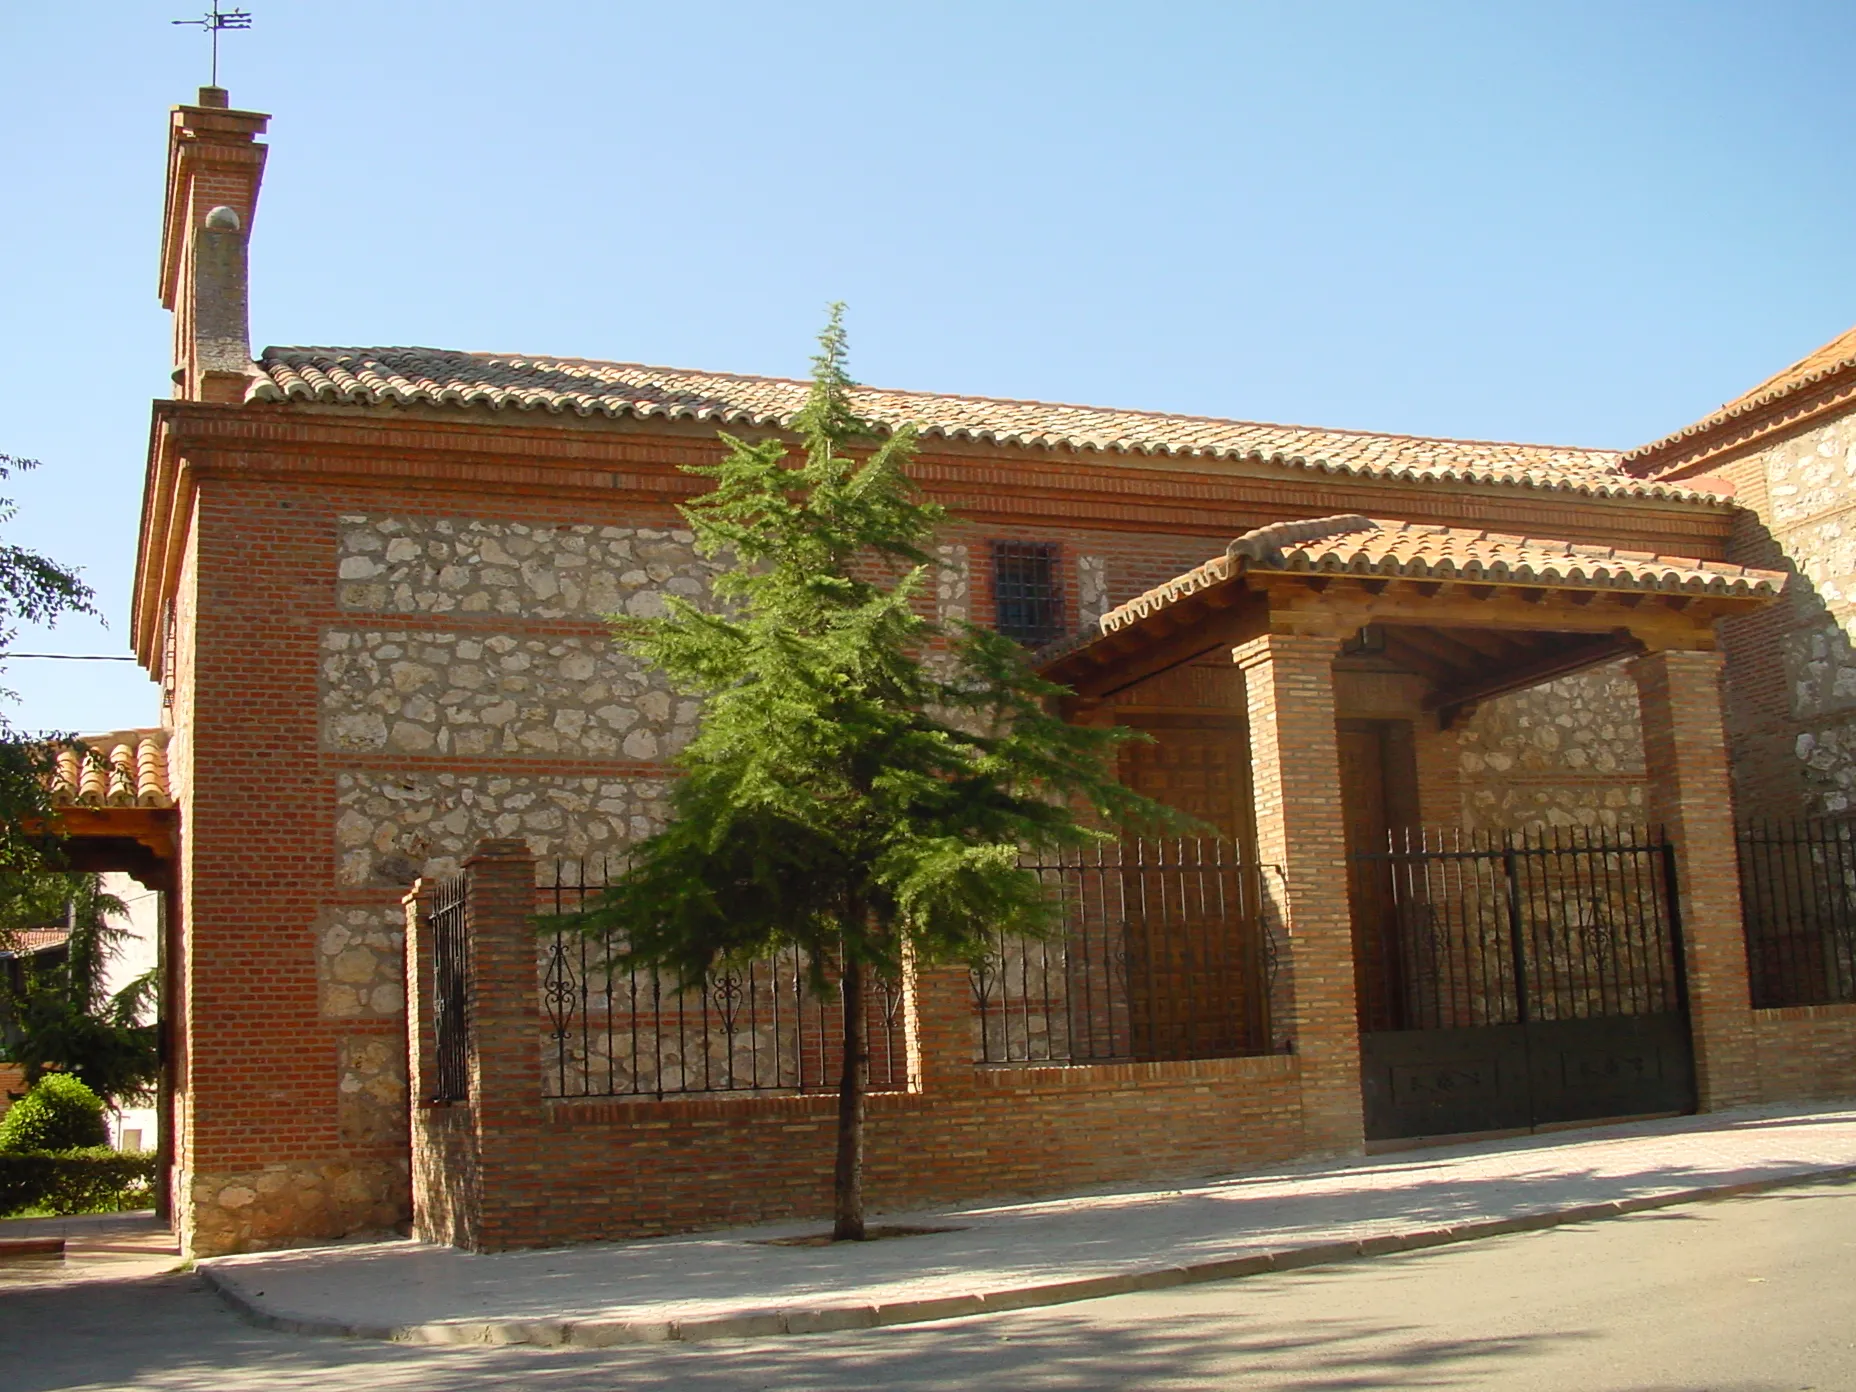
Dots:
{"x": 1571, "y": 653}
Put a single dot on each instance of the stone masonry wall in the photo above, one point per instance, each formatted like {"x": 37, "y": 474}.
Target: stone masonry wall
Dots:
{"x": 422, "y": 565}
{"x": 471, "y": 694}
{"x": 1563, "y": 754}
{"x": 1795, "y": 737}
{"x": 477, "y": 695}
{"x": 392, "y": 829}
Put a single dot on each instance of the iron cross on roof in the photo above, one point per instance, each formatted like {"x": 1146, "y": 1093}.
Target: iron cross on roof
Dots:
{"x": 216, "y": 20}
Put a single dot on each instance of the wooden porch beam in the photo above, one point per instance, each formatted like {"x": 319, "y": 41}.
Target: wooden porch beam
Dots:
{"x": 1418, "y": 604}
{"x": 1561, "y": 660}
{"x": 1207, "y": 632}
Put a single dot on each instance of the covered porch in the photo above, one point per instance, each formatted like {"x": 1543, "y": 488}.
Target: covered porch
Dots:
{"x": 114, "y": 813}
{"x": 1310, "y": 693}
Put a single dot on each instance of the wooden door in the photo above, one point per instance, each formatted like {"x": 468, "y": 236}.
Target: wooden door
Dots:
{"x": 1196, "y": 984}
{"x": 1199, "y": 764}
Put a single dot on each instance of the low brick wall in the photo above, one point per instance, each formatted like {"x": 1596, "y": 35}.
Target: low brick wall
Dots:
{"x": 1806, "y": 1052}
{"x": 12, "y": 1080}
{"x": 509, "y": 1168}
{"x": 590, "y": 1170}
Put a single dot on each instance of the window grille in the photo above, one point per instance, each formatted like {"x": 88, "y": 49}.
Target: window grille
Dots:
{"x": 170, "y": 652}
{"x": 1027, "y": 599}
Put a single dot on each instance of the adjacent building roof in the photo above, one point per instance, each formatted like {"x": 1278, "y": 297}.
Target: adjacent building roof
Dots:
{"x": 434, "y": 377}
{"x": 1355, "y": 545}
{"x": 1816, "y": 372}
{"x": 128, "y": 768}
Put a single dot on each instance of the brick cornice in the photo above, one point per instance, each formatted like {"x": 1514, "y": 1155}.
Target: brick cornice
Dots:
{"x": 479, "y": 455}
{"x": 1712, "y": 445}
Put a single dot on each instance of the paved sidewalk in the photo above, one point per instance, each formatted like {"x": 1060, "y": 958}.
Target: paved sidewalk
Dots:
{"x": 1017, "y": 1255}
{"x": 97, "y": 1247}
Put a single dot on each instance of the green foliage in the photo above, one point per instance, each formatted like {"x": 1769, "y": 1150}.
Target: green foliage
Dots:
{"x": 33, "y": 589}
{"x": 62, "y": 1018}
{"x": 59, "y": 1113}
{"x": 842, "y": 794}
{"x": 93, "y": 1179}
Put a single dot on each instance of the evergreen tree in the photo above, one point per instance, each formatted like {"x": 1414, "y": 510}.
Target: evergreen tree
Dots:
{"x": 842, "y": 795}
{"x": 63, "y": 1018}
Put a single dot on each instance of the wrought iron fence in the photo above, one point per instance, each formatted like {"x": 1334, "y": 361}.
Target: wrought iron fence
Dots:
{"x": 1798, "y": 904}
{"x": 1453, "y": 930}
{"x": 1166, "y": 950}
{"x": 451, "y": 990}
{"x": 614, "y": 1031}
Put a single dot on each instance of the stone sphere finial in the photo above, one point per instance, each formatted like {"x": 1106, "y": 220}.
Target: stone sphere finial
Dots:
{"x": 222, "y": 219}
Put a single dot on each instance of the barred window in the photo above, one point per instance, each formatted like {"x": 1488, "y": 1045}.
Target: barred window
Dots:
{"x": 170, "y": 655}
{"x": 1026, "y": 597}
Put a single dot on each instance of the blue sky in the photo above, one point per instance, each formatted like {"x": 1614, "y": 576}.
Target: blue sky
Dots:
{"x": 1583, "y": 224}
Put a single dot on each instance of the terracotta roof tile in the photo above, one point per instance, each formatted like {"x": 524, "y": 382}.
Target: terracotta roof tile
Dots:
{"x": 434, "y": 377}
{"x": 1355, "y": 545}
{"x": 1832, "y": 360}
{"x": 128, "y": 768}
{"x": 23, "y": 941}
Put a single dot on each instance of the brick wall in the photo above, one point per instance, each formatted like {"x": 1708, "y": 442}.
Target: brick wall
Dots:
{"x": 321, "y": 706}
{"x": 1791, "y": 667}
{"x": 510, "y": 1168}
{"x": 1806, "y": 1052}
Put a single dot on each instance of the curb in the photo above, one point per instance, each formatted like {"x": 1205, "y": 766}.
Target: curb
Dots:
{"x": 12, "y": 1248}
{"x": 600, "y": 1333}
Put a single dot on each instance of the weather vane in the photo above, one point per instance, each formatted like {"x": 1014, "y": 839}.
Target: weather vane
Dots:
{"x": 216, "y": 20}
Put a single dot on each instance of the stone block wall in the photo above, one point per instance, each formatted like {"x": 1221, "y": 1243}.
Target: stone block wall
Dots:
{"x": 1792, "y": 668}
{"x": 1567, "y": 753}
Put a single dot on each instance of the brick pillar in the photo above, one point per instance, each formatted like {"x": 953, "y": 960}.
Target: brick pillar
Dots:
{"x": 505, "y": 1042}
{"x": 441, "y": 1135}
{"x": 940, "y": 1020}
{"x": 421, "y": 1061}
{"x": 1691, "y": 796}
{"x": 1295, "y": 774}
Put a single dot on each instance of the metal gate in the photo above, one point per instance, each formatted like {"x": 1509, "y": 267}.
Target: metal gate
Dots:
{"x": 1513, "y": 981}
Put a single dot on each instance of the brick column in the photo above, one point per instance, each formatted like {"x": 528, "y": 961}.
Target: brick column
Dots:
{"x": 940, "y": 1015}
{"x": 505, "y": 1041}
{"x": 1691, "y": 796}
{"x": 421, "y": 1045}
{"x": 1295, "y": 774}
{"x": 442, "y": 1138}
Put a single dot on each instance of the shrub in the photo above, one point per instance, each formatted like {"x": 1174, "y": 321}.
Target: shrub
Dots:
{"x": 94, "y": 1179}
{"x": 60, "y": 1113}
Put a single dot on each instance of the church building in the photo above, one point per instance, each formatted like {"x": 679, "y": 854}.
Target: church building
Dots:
{"x": 1506, "y": 744}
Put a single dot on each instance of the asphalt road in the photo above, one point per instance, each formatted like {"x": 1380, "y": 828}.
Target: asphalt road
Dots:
{"x": 1752, "y": 1293}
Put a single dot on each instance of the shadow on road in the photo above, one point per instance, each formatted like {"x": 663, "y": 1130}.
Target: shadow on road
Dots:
{"x": 169, "y": 1333}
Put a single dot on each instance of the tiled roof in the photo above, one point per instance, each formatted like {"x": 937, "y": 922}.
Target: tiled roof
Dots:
{"x": 128, "y": 768}
{"x": 1354, "y": 545}
{"x": 1832, "y": 360}
{"x": 429, "y": 376}
{"x": 23, "y": 941}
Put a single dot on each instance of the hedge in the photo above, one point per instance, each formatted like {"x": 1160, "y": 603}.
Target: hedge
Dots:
{"x": 59, "y": 1113}
{"x": 95, "y": 1179}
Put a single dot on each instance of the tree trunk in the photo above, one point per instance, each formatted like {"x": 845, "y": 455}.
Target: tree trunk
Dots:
{"x": 848, "y": 1181}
